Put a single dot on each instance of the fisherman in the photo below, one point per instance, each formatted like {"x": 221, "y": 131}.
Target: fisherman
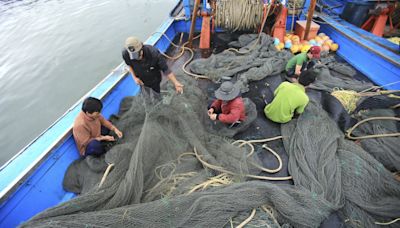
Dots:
{"x": 302, "y": 62}
{"x": 146, "y": 63}
{"x": 91, "y": 128}
{"x": 229, "y": 107}
{"x": 289, "y": 98}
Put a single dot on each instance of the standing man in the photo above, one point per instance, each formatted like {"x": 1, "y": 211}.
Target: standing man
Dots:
{"x": 289, "y": 98}
{"x": 302, "y": 61}
{"x": 87, "y": 129}
{"x": 146, "y": 63}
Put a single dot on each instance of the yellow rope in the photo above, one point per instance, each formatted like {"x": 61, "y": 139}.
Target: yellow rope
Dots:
{"x": 105, "y": 174}
{"x": 269, "y": 211}
{"x": 220, "y": 169}
{"x": 253, "y": 212}
{"x": 387, "y": 223}
{"x": 220, "y": 180}
{"x": 348, "y": 133}
{"x": 348, "y": 98}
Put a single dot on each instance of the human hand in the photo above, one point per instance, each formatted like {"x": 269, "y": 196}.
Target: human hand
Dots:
{"x": 118, "y": 132}
{"x": 108, "y": 138}
{"x": 178, "y": 87}
{"x": 210, "y": 111}
{"x": 138, "y": 81}
{"x": 213, "y": 116}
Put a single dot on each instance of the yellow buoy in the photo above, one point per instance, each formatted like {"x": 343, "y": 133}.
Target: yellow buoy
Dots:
{"x": 325, "y": 38}
{"x": 294, "y": 48}
{"x": 334, "y": 47}
{"x": 305, "y": 48}
{"x": 328, "y": 42}
{"x": 281, "y": 46}
{"x": 295, "y": 38}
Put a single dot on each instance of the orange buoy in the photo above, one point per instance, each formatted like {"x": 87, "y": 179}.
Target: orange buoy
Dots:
{"x": 325, "y": 47}
{"x": 295, "y": 38}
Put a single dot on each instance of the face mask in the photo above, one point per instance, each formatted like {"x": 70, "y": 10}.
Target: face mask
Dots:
{"x": 134, "y": 55}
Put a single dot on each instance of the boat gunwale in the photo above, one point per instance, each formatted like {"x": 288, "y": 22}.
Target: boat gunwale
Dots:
{"x": 335, "y": 25}
{"x": 26, "y": 172}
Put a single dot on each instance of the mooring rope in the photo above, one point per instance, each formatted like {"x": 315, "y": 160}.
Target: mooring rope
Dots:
{"x": 348, "y": 133}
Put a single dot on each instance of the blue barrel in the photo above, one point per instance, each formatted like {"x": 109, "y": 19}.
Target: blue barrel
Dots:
{"x": 356, "y": 12}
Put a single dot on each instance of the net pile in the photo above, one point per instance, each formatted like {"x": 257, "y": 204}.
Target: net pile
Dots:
{"x": 256, "y": 59}
{"x": 156, "y": 176}
{"x": 170, "y": 171}
{"x": 323, "y": 162}
{"x": 384, "y": 149}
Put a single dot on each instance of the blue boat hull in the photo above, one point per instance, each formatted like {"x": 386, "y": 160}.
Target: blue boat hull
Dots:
{"x": 32, "y": 181}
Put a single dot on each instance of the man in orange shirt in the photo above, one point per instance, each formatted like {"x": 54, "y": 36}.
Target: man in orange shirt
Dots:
{"x": 87, "y": 129}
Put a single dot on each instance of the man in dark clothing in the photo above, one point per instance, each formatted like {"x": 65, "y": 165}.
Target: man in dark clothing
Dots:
{"x": 228, "y": 107}
{"x": 146, "y": 63}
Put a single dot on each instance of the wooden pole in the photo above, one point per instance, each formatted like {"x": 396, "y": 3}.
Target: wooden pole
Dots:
{"x": 194, "y": 15}
{"x": 309, "y": 18}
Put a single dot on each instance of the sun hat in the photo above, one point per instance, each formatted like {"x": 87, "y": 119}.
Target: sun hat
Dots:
{"x": 227, "y": 91}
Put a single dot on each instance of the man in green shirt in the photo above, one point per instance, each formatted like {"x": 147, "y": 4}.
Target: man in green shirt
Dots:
{"x": 302, "y": 61}
{"x": 289, "y": 98}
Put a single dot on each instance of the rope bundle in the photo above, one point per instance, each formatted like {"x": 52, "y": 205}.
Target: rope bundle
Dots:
{"x": 239, "y": 14}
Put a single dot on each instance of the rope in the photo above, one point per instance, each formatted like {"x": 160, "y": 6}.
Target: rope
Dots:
{"x": 250, "y": 144}
{"x": 241, "y": 225}
{"x": 379, "y": 87}
{"x": 269, "y": 211}
{"x": 183, "y": 49}
{"x": 220, "y": 180}
{"x": 348, "y": 133}
{"x": 258, "y": 37}
{"x": 348, "y": 98}
{"x": 105, "y": 174}
{"x": 387, "y": 223}
{"x": 238, "y": 14}
{"x": 220, "y": 169}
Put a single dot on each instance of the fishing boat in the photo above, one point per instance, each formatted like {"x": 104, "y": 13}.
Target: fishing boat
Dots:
{"x": 31, "y": 181}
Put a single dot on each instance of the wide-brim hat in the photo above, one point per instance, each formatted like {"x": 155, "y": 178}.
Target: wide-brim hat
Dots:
{"x": 133, "y": 42}
{"x": 227, "y": 91}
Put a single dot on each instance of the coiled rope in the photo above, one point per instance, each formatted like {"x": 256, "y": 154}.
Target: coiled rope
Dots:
{"x": 239, "y": 14}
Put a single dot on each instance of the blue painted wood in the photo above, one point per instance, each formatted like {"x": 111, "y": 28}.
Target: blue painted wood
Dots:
{"x": 43, "y": 189}
{"x": 375, "y": 62}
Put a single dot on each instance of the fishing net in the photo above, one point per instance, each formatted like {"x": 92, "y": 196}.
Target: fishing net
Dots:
{"x": 383, "y": 149}
{"x": 336, "y": 75}
{"x": 159, "y": 165}
{"x": 171, "y": 171}
{"x": 231, "y": 130}
{"x": 323, "y": 162}
{"x": 256, "y": 59}
{"x": 84, "y": 174}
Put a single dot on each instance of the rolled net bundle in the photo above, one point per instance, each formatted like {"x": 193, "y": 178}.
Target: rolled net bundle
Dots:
{"x": 323, "y": 162}
{"x": 256, "y": 59}
{"x": 329, "y": 79}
